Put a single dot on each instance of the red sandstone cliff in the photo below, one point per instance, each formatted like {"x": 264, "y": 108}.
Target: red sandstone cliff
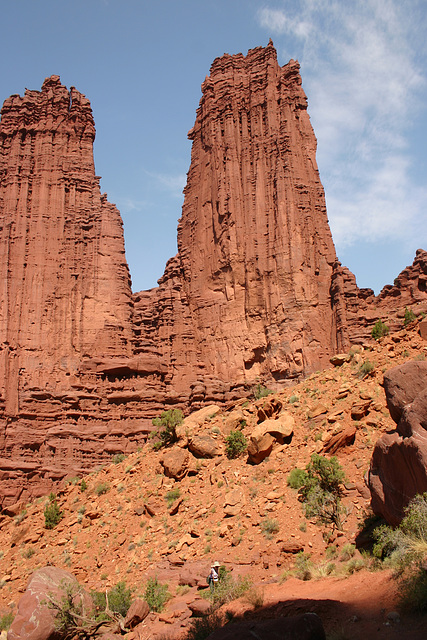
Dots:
{"x": 255, "y": 252}
{"x": 254, "y": 293}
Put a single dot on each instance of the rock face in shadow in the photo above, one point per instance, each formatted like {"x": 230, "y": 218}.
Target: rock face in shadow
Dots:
{"x": 398, "y": 469}
{"x": 254, "y": 294}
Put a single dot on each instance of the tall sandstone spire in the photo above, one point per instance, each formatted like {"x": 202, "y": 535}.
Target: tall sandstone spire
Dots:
{"x": 255, "y": 293}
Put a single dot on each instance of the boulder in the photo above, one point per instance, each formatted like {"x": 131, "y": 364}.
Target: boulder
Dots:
{"x": 204, "y": 446}
{"x": 194, "y": 421}
{"x": 35, "y": 620}
{"x": 402, "y": 384}
{"x": 265, "y": 434}
{"x": 342, "y": 438}
{"x": 260, "y": 446}
{"x": 398, "y": 468}
{"x": 339, "y": 358}
{"x": 138, "y": 611}
{"x": 199, "y": 607}
{"x": 175, "y": 463}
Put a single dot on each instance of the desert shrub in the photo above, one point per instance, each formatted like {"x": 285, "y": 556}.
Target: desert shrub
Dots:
{"x": 235, "y": 444}
{"x": 255, "y": 596}
{"x": 408, "y": 317}
{"x": 406, "y": 548}
{"x": 68, "y": 610}
{"x": 303, "y": 566}
{"x": 365, "y": 369}
{"x": 296, "y": 478}
{"x": 228, "y": 589}
{"x": 156, "y": 595}
{"x": 83, "y": 485}
{"x": 269, "y": 526}
{"x": 52, "y": 513}
{"x": 6, "y": 620}
{"x": 322, "y": 490}
{"x": 101, "y": 488}
{"x": 379, "y": 330}
{"x": 354, "y": 565}
{"x": 172, "y": 495}
{"x": 168, "y": 420}
{"x": 347, "y": 552}
{"x": 119, "y": 601}
{"x": 293, "y": 399}
{"x": 20, "y": 517}
{"x": 28, "y": 553}
{"x": 260, "y": 391}
{"x": 118, "y": 457}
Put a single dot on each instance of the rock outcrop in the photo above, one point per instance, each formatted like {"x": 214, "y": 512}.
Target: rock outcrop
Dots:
{"x": 398, "y": 469}
{"x": 255, "y": 293}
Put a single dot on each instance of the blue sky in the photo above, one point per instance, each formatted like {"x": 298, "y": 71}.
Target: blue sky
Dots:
{"x": 141, "y": 64}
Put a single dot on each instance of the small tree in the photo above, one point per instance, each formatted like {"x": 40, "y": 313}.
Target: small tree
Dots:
{"x": 261, "y": 392}
{"x": 235, "y": 444}
{"x": 169, "y": 420}
{"x": 379, "y": 330}
{"x": 156, "y": 595}
{"x": 52, "y": 513}
{"x": 409, "y": 317}
{"x": 117, "y": 600}
{"x": 322, "y": 490}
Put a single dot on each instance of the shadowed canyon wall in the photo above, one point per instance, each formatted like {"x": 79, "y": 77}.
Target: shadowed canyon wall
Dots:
{"x": 255, "y": 292}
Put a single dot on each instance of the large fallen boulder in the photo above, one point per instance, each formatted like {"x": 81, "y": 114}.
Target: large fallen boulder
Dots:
{"x": 264, "y": 436}
{"x": 36, "y": 618}
{"x": 398, "y": 469}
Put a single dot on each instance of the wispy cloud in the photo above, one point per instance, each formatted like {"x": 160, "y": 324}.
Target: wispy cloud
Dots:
{"x": 365, "y": 82}
{"x": 173, "y": 183}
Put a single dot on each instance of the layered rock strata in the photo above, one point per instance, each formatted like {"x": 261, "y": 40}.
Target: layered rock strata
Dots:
{"x": 255, "y": 293}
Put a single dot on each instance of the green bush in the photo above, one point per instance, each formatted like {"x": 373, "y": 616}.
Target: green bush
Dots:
{"x": 227, "y": 588}
{"x": 156, "y": 595}
{"x": 172, "y": 495}
{"x": 303, "y": 566}
{"x": 260, "y": 391}
{"x": 297, "y": 478}
{"x": 101, "y": 488}
{"x": 68, "y": 610}
{"x": 235, "y": 444}
{"x": 406, "y": 549}
{"x": 52, "y": 513}
{"x": 118, "y": 457}
{"x": 409, "y": 317}
{"x": 322, "y": 490}
{"x": 269, "y": 526}
{"x": 168, "y": 420}
{"x": 119, "y": 601}
{"x": 365, "y": 369}
{"x": 6, "y": 620}
{"x": 379, "y": 330}
{"x": 83, "y": 485}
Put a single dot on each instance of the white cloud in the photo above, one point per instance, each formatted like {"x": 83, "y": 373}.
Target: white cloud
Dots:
{"x": 362, "y": 68}
{"x": 174, "y": 183}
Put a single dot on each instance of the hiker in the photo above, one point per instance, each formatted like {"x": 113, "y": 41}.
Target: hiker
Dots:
{"x": 214, "y": 575}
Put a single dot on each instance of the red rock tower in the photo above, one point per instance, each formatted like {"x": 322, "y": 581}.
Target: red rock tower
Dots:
{"x": 255, "y": 252}
{"x": 65, "y": 289}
